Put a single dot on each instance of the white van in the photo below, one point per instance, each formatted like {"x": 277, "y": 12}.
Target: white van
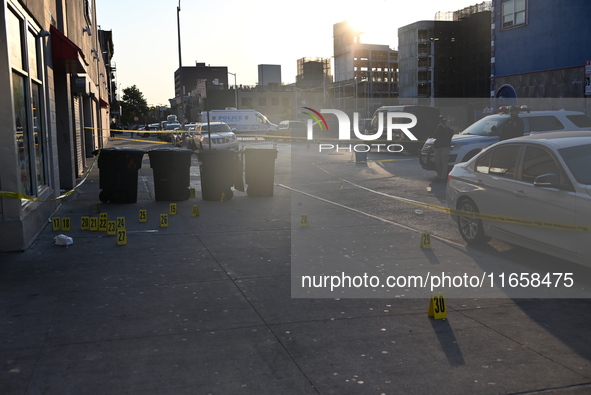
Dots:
{"x": 241, "y": 121}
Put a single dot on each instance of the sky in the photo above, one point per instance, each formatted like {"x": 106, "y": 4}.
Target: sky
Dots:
{"x": 242, "y": 34}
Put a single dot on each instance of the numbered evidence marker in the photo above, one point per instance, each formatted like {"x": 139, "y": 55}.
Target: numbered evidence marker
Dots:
{"x": 84, "y": 223}
{"x": 111, "y": 228}
{"x": 66, "y": 223}
{"x": 143, "y": 216}
{"x": 94, "y": 223}
{"x": 425, "y": 240}
{"x": 437, "y": 306}
{"x": 121, "y": 237}
{"x": 172, "y": 210}
{"x": 120, "y": 223}
{"x": 103, "y": 219}
{"x": 164, "y": 220}
{"x": 56, "y": 223}
{"x": 304, "y": 220}
{"x": 195, "y": 211}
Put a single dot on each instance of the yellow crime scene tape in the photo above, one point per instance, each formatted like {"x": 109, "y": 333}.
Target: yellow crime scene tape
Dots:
{"x": 461, "y": 213}
{"x": 428, "y": 206}
{"x": 22, "y": 196}
{"x": 449, "y": 211}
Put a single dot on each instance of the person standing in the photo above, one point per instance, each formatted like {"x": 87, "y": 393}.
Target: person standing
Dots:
{"x": 513, "y": 127}
{"x": 442, "y": 144}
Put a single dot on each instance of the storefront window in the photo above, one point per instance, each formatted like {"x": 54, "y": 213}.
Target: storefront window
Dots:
{"x": 21, "y": 133}
{"x": 38, "y": 136}
{"x": 27, "y": 92}
{"x": 14, "y": 41}
{"x": 32, "y": 49}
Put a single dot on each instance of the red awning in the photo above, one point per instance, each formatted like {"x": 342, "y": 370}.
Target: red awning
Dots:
{"x": 103, "y": 103}
{"x": 67, "y": 56}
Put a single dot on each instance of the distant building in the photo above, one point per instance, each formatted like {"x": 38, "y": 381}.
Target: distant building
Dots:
{"x": 446, "y": 58}
{"x": 269, "y": 76}
{"x": 366, "y": 71}
{"x": 540, "y": 48}
{"x": 215, "y": 75}
{"x": 313, "y": 73}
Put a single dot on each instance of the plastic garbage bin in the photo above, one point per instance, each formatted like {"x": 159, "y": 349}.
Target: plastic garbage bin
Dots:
{"x": 172, "y": 173}
{"x": 259, "y": 169}
{"x": 361, "y": 157}
{"x": 220, "y": 170}
{"x": 118, "y": 169}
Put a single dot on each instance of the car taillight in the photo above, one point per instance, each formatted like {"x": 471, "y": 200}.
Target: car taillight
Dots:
{"x": 448, "y": 177}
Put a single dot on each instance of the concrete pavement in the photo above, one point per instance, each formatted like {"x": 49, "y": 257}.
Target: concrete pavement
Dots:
{"x": 204, "y": 306}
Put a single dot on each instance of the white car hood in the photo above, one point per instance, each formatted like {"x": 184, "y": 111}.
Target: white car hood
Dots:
{"x": 228, "y": 135}
{"x": 465, "y": 138}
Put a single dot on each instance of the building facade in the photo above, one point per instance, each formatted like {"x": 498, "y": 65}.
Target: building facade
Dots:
{"x": 214, "y": 75}
{"x": 540, "y": 48}
{"x": 55, "y": 108}
{"x": 269, "y": 76}
{"x": 446, "y": 58}
{"x": 362, "y": 71}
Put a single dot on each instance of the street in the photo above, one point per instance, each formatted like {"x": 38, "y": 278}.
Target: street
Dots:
{"x": 205, "y": 305}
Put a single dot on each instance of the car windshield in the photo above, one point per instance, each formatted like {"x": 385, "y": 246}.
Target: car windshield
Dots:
{"x": 485, "y": 127}
{"x": 216, "y": 128}
{"x": 578, "y": 160}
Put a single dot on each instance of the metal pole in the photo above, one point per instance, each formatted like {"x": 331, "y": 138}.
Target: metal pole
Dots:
{"x": 235, "y": 91}
{"x": 178, "y": 20}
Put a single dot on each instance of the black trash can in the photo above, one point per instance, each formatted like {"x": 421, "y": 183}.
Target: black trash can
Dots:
{"x": 118, "y": 169}
{"x": 219, "y": 172}
{"x": 259, "y": 169}
{"x": 172, "y": 173}
{"x": 361, "y": 157}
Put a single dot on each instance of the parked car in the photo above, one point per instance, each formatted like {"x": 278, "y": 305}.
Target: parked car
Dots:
{"x": 487, "y": 130}
{"x": 292, "y": 129}
{"x": 542, "y": 180}
{"x": 221, "y": 137}
{"x": 150, "y": 127}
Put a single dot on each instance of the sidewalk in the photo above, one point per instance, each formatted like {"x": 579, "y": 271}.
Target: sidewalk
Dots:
{"x": 204, "y": 306}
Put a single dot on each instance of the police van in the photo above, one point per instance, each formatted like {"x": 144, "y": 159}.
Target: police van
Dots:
{"x": 240, "y": 121}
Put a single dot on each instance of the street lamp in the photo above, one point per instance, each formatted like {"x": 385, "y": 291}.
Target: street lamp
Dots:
{"x": 235, "y": 90}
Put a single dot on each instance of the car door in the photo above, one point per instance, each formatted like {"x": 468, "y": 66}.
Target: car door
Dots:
{"x": 495, "y": 173}
{"x": 546, "y": 206}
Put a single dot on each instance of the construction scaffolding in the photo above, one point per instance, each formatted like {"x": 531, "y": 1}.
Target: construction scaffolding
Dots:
{"x": 464, "y": 12}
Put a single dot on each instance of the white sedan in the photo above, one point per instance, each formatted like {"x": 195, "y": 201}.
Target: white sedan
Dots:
{"x": 532, "y": 191}
{"x": 221, "y": 137}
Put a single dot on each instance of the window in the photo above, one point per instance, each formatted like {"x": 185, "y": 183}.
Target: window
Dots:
{"x": 581, "y": 121}
{"x": 513, "y": 13}
{"x": 262, "y": 102}
{"x": 28, "y": 93}
{"x": 578, "y": 160}
{"x": 483, "y": 163}
{"x": 538, "y": 161}
{"x": 88, "y": 11}
{"x": 245, "y": 102}
{"x": 544, "y": 124}
{"x": 503, "y": 161}
{"x": 275, "y": 101}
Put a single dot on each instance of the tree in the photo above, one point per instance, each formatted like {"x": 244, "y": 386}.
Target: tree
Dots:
{"x": 134, "y": 107}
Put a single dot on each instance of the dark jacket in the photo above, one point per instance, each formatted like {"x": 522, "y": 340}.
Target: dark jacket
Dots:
{"x": 512, "y": 128}
{"x": 442, "y": 136}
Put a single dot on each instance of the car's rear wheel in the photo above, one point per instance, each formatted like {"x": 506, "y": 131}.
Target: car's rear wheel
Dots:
{"x": 471, "y": 229}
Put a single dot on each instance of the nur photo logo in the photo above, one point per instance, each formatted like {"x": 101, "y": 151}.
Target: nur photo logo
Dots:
{"x": 388, "y": 122}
